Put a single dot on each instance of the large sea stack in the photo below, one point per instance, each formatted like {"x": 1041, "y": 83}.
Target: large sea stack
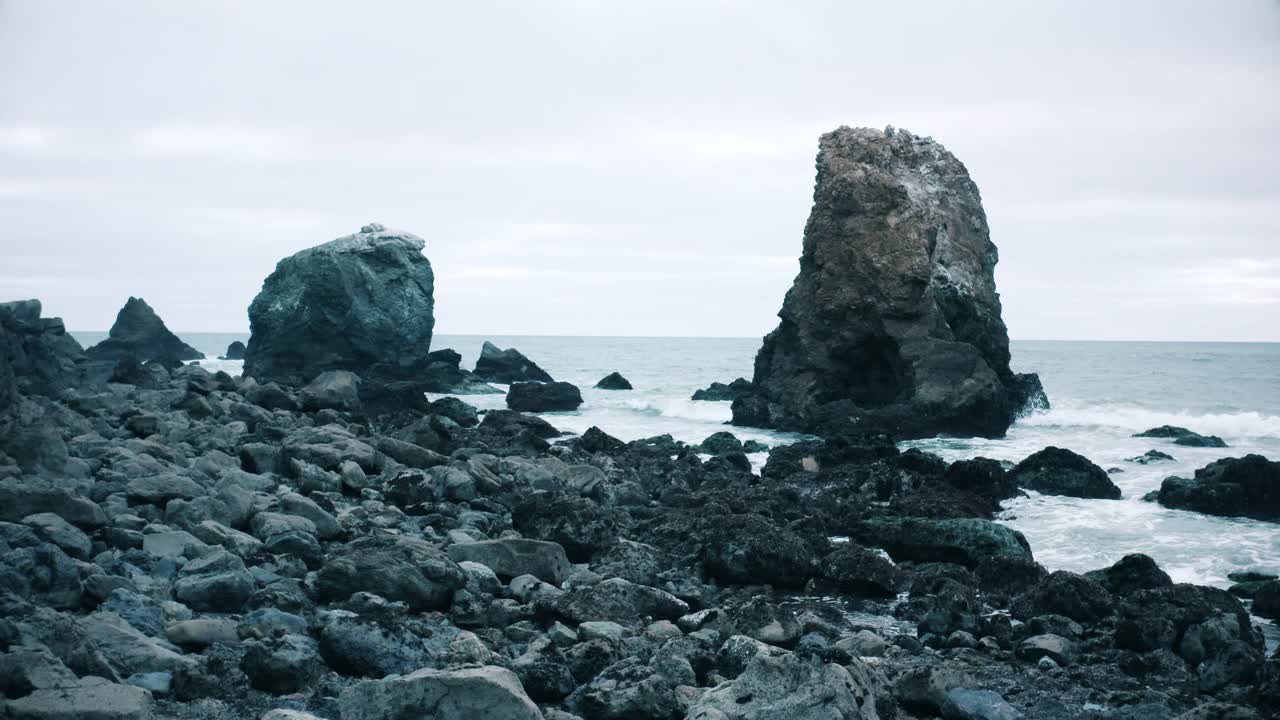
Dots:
{"x": 362, "y": 303}
{"x": 37, "y": 356}
{"x": 894, "y": 320}
{"x": 139, "y": 334}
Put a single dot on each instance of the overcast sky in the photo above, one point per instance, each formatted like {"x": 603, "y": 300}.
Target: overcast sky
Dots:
{"x": 635, "y": 168}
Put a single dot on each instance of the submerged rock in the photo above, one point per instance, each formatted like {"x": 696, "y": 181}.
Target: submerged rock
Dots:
{"x": 363, "y": 303}
{"x": 1183, "y": 436}
{"x": 1231, "y": 487}
{"x": 894, "y": 320}
{"x": 1055, "y": 471}
{"x": 1151, "y": 456}
{"x": 508, "y": 366}
{"x": 613, "y": 381}
{"x": 140, "y": 334}
{"x": 543, "y": 397}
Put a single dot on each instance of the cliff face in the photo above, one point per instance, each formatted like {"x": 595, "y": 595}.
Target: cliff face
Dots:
{"x": 894, "y": 320}
{"x": 363, "y": 303}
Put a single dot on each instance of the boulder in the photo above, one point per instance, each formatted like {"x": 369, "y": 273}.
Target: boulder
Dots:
{"x": 788, "y": 687}
{"x": 332, "y": 390}
{"x": 543, "y": 397}
{"x": 1130, "y": 574}
{"x": 508, "y": 366}
{"x": 720, "y": 392}
{"x": 748, "y": 549}
{"x": 405, "y": 569}
{"x": 1149, "y": 457}
{"x": 281, "y": 665}
{"x": 859, "y": 571}
{"x": 983, "y": 476}
{"x": 140, "y": 334}
{"x": 475, "y": 693}
{"x": 1067, "y": 594}
{"x": 363, "y": 303}
{"x": 579, "y": 525}
{"x": 1183, "y": 436}
{"x": 894, "y": 318}
{"x": 235, "y": 351}
{"x": 37, "y": 356}
{"x": 513, "y": 557}
{"x": 613, "y": 381}
{"x": 967, "y": 704}
{"x": 965, "y": 541}
{"x": 1233, "y": 487}
{"x": 1055, "y": 471}
{"x": 92, "y": 698}
{"x": 615, "y": 600}
{"x": 443, "y": 373}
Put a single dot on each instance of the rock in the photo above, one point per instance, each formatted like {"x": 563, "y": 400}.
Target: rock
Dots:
{"x": 1055, "y": 471}
{"x": 126, "y": 649}
{"x": 508, "y": 366}
{"x": 456, "y": 410}
{"x": 139, "y": 334}
{"x": 202, "y": 632}
{"x": 1130, "y": 574}
{"x": 37, "y": 356}
{"x": 516, "y": 556}
{"x": 172, "y": 544}
{"x": 720, "y": 392}
{"x": 92, "y": 698}
{"x": 281, "y": 665}
{"x": 983, "y": 476}
{"x": 1183, "y": 436}
{"x": 747, "y": 549}
{"x": 225, "y": 591}
{"x": 579, "y": 525}
{"x": 720, "y": 443}
{"x": 363, "y": 303}
{"x": 966, "y": 541}
{"x": 595, "y": 440}
{"x": 632, "y": 688}
{"x": 863, "y": 643}
{"x": 404, "y": 569}
{"x": 42, "y": 574}
{"x": 1266, "y": 600}
{"x": 927, "y": 687}
{"x": 332, "y": 390}
{"x": 235, "y": 351}
{"x": 477, "y": 693}
{"x": 1055, "y": 647}
{"x": 1151, "y": 456}
{"x": 859, "y": 571}
{"x": 1231, "y": 487}
{"x": 894, "y": 318}
{"x": 543, "y": 397}
{"x": 19, "y": 499}
{"x": 762, "y": 620}
{"x": 613, "y": 381}
{"x": 1067, "y": 594}
{"x": 615, "y": 600}
{"x": 786, "y": 687}
{"x": 61, "y": 533}
{"x": 443, "y": 374}
{"x": 24, "y": 670}
{"x": 966, "y": 704}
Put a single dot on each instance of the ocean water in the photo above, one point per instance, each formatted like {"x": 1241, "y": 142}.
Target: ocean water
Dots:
{"x": 1101, "y": 392}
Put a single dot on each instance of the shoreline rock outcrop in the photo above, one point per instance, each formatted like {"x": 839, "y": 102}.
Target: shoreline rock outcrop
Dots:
{"x": 364, "y": 303}
{"x": 1230, "y": 487}
{"x": 139, "y": 334}
{"x": 235, "y": 351}
{"x": 543, "y": 397}
{"x": 508, "y": 366}
{"x": 893, "y": 321}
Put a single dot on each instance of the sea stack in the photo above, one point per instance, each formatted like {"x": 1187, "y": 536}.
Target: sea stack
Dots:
{"x": 139, "y": 334}
{"x": 362, "y": 303}
{"x": 894, "y": 321}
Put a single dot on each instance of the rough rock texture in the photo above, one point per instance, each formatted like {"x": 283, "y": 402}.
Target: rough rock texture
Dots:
{"x": 140, "y": 334}
{"x": 465, "y": 694}
{"x": 1183, "y": 436}
{"x": 37, "y": 356}
{"x": 235, "y": 351}
{"x": 507, "y": 366}
{"x": 1056, "y": 471}
{"x": 1233, "y": 487}
{"x": 543, "y": 397}
{"x": 362, "y": 303}
{"x": 894, "y": 319}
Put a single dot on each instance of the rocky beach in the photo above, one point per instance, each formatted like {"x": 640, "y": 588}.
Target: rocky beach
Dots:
{"x": 345, "y": 531}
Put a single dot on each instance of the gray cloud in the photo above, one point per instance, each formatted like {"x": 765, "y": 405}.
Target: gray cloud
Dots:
{"x": 635, "y": 168}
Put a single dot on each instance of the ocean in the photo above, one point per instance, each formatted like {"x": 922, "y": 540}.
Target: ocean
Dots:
{"x": 1101, "y": 394}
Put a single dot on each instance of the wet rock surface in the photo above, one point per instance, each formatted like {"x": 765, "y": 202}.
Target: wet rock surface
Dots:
{"x": 1233, "y": 487}
{"x": 894, "y": 320}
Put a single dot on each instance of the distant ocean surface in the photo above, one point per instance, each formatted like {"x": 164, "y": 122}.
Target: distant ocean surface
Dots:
{"x": 1102, "y": 393}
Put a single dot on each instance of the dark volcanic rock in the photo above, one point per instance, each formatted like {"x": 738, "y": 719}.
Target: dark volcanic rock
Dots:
{"x": 235, "y": 351}
{"x": 1183, "y": 436}
{"x": 1232, "y": 487}
{"x": 1055, "y": 471}
{"x": 965, "y": 541}
{"x": 1130, "y": 574}
{"x": 37, "y": 356}
{"x": 718, "y": 391}
{"x": 613, "y": 381}
{"x": 362, "y": 303}
{"x": 140, "y": 334}
{"x": 1066, "y": 594}
{"x": 543, "y": 397}
{"x": 442, "y": 373}
{"x": 894, "y": 320}
{"x": 1151, "y": 456}
{"x": 508, "y": 366}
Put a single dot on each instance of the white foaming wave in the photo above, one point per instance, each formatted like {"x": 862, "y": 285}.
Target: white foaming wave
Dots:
{"x": 1137, "y": 419}
{"x": 711, "y": 412}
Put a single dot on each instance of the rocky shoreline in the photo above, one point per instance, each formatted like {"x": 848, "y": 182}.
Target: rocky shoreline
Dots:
{"x": 319, "y": 539}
